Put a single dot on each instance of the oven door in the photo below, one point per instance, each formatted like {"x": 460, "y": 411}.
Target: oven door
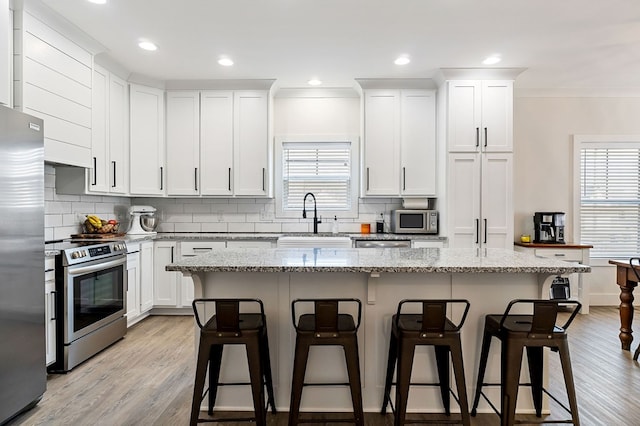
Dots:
{"x": 94, "y": 295}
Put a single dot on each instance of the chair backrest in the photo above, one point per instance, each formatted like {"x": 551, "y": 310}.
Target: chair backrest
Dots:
{"x": 545, "y": 314}
{"x": 326, "y": 313}
{"x": 434, "y": 313}
{"x": 227, "y": 312}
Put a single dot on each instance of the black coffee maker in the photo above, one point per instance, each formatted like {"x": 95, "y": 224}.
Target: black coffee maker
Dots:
{"x": 549, "y": 227}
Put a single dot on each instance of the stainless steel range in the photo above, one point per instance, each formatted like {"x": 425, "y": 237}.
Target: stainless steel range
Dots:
{"x": 91, "y": 282}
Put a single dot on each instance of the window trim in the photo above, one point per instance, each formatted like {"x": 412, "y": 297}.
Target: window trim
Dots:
{"x": 354, "y": 140}
{"x": 586, "y": 141}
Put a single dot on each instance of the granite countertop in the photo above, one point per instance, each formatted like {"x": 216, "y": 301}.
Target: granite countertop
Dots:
{"x": 554, "y": 245}
{"x": 231, "y": 236}
{"x": 373, "y": 260}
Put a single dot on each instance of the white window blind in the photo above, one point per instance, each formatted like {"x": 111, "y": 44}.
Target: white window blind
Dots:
{"x": 610, "y": 200}
{"x": 323, "y": 168}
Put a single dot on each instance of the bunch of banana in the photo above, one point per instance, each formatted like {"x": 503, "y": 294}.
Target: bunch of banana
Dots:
{"x": 94, "y": 225}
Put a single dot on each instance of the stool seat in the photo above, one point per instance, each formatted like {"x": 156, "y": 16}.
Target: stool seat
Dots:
{"x": 431, "y": 327}
{"x": 307, "y": 323}
{"x": 229, "y": 326}
{"x": 532, "y": 332}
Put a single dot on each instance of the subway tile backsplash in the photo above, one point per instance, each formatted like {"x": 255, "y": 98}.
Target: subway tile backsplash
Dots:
{"x": 64, "y": 213}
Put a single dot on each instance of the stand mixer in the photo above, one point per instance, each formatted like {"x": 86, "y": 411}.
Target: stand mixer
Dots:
{"x": 143, "y": 220}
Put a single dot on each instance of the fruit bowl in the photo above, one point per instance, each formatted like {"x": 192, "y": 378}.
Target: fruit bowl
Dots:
{"x": 95, "y": 225}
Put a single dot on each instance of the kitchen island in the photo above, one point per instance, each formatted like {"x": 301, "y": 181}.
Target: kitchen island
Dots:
{"x": 488, "y": 278}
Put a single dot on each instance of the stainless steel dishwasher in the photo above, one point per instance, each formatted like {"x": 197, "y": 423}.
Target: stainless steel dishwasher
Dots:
{"x": 383, "y": 243}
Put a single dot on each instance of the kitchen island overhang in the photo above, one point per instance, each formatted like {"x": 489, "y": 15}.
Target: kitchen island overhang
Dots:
{"x": 488, "y": 278}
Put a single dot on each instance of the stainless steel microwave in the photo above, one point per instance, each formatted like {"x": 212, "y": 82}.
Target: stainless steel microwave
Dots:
{"x": 414, "y": 221}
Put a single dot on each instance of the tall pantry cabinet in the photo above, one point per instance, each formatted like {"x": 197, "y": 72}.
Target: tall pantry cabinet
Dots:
{"x": 479, "y": 136}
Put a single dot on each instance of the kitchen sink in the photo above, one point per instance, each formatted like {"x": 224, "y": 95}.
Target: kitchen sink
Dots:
{"x": 314, "y": 241}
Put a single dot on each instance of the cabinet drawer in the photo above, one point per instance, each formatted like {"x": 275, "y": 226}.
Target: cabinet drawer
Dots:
{"x": 574, "y": 255}
{"x": 194, "y": 248}
{"x": 49, "y": 263}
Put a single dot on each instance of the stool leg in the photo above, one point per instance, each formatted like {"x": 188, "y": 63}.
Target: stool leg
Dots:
{"x": 403, "y": 379}
{"x": 266, "y": 368}
{"x": 461, "y": 386}
{"x": 299, "y": 368}
{"x": 352, "y": 358}
{"x": 215, "y": 360}
{"x": 391, "y": 366}
{"x": 255, "y": 374}
{"x": 510, "y": 379}
{"x": 484, "y": 356}
{"x": 636, "y": 353}
{"x": 442, "y": 362}
{"x": 565, "y": 359}
{"x": 198, "y": 387}
{"x": 536, "y": 367}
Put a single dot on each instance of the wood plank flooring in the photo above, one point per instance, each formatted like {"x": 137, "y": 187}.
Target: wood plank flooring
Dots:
{"x": 147, "y": 379}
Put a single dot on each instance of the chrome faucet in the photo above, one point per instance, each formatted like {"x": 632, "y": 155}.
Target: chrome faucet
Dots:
{"x": 316, "y": 221}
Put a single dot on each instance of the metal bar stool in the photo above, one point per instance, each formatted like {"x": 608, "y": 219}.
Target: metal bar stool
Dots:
{"x": 533, "y": 332}
{"x": 230, "y": 327}
{"x": 430, "y": 327}
{"x": 326, "y": 326}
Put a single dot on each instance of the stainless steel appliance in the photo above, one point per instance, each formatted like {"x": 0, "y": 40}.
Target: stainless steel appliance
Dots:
{"x": 383, "y": 243}
{"x": 414, "y": 221}
{"x": 91, "y": 281}
{"x": 549, "y": 227}
{"x": 22, "y": 323}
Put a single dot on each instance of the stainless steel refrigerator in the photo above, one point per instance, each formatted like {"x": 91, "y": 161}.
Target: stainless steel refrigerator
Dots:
{"x": 22, "y": 328}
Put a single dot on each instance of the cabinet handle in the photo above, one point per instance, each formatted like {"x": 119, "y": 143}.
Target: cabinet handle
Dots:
{"x": 477, "y": 231}
{"x": 404, "y": 178}
{"x": 54, "y": 297}
{"x": 263, "y": 179}
{"x": 485, "y": 231}
{"x": 367, "y": 178}
{"x": 95, "y": 172}
{"x": 477, "y": 137}
{"x": 485, "y": 137}
{"x": 171, "y": 254}
{"x": 229, "y": 178}
{"x": 161, "y": 178}
{"x": 559, "y": 254}
{"x": 195, "y": 178}
{"x": 114, "y": 174}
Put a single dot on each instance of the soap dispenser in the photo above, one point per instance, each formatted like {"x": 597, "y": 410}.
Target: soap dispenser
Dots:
{"x": 334, "y": 229}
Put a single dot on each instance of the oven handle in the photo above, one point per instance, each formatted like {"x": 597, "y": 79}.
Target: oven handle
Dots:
{"x": 97, "y": 267}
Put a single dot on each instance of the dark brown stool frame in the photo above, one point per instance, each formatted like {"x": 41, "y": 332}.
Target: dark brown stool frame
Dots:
{"x": 635, "y": 269}
{"x": 432, "y": 328}
{"x": 326, "y": 326}
{"x": 230, "y": 327}
{"x": 533, "y": 332}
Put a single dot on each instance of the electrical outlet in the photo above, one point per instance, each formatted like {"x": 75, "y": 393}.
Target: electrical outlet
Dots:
{"x": 266, "y": 215}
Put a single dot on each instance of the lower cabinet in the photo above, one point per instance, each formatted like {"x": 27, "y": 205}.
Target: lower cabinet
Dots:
{"x": 50, "y": 310}
{"x": 165, "y": 286}
{"x": 139, "y": 281}
{"x": 190, "y": 249}
{"x": 146, "y": 276}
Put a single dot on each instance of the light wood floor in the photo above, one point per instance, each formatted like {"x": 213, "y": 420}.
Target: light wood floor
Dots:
{"x": 147, "y": 379}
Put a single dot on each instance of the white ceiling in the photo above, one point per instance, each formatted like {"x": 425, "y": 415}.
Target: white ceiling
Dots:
{"x": 567, "y": 44}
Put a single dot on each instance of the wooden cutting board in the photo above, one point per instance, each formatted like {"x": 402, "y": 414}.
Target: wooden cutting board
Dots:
{"x": 97, "y": 236}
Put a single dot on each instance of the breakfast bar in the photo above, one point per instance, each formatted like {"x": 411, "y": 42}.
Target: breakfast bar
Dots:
{"x": 488, "y": 278}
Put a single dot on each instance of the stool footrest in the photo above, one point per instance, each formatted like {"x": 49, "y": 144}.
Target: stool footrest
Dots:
{"x": 336, "y": 420}
{"x": 228, "y": 419}
{"x": 327, "y": 384}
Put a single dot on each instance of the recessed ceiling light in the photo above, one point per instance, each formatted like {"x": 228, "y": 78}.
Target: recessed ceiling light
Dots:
{"x": 314, "y": 82}
{"x": 402, "y": 60}
{"x": 226, "y": 62}
{"x": 98, "y": 1}
{"x": 491, "y": 60}
{"x": 147, "y": 45}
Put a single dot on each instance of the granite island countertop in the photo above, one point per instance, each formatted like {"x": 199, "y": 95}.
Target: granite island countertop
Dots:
{"x": 267, "y": 236}
{"x": 373, "y": 260}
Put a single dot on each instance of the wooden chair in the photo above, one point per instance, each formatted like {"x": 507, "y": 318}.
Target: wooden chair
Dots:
{"x": 636, "y": 270}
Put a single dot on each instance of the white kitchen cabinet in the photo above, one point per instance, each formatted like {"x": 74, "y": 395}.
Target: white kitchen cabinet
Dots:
{"x": 480, "y": 116}
{"x": 190, "y": 249}
{"x": 139, "y": 280}
{"x": 146, "y": 276}
{"x": 399, "y": 143}
{"x": 147, "y": 142}
{"x": 133, "y": 284}
{"x": 217, "y": 143}
{"x": 480, "y": 194}
{"x": 165, "y": 283}
{"x": 50, "y": 310}
{"x": 6, "y": 53}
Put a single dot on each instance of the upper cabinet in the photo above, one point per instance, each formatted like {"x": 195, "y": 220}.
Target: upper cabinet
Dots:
{"x": 217, "y": 143}
{"x": 480, "y": 116}
{"x": 399, "y": 143}
{"x": 53, "y": 76}
{"x": 6, "y": 52}
{"x": 147, "y": 144}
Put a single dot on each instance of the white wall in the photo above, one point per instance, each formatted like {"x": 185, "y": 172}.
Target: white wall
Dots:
{"x": 543, "y": 163}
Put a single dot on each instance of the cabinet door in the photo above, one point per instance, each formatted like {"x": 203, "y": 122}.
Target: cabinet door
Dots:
{"x": 464, "y": 116}
{"x": 497, "y": 200}
{"x": 251, "y": 144}
{"x": 190, "y": 249}
{"x": 50, "y": 320}
{"x": 464, "y": 200}
{"x": 381, "y": 143}
{"x": 216, "y": 143}
{"x": 497, "y": 116}
{"x": 418, "y": 143}
{"x": 99, "y": 171}
{"x": 133, "y": 287}
{"x": 146, "y": 165}
{"x": 146, "y": 276}
{"x": 6, "y": 53}
{"x": 118, "y": 146}
{"x": 165, "y": 283}
{"x": 183, "y": 143}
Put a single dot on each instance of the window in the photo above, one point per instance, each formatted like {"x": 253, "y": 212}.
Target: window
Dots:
{"x": 609, "y": 197}
{"x": 325, "y": 168}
